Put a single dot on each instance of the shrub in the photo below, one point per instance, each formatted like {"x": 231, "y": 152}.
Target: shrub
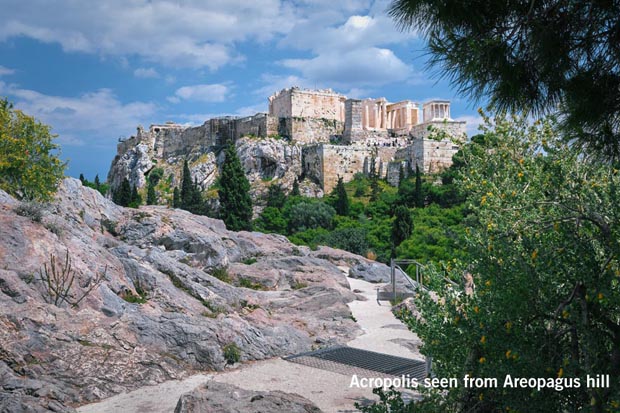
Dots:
{"x": 221, "y": 273}
{"x": 232, "y": 354}
{"x": 32, "y": 210}
{"x": 30, "y": 168}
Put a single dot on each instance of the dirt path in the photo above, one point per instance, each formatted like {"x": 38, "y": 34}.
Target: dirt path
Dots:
{"x": 328, "y": 390}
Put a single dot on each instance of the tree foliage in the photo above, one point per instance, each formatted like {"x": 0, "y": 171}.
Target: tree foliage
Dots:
{"x": 341, "y": 199}
{"x": 234, "y": 193}
{"x": 544, "y": 252}
{"x": 30, "y": 168}
{"x": 532, "y": 56}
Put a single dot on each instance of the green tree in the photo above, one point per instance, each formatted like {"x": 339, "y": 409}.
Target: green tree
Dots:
{"x": 97, "y": 182}
{"x": 275, "y": 196}
{"x": 310, "y": 215}
{"x": 544, "y": 256}
{"x": 402, "y": 225}
{"x": 375, "y": 189}
{"x": 419, "y": 192}
{"x": 151, "y": 196}
{"x": 176, "y": 198}
{"x": 122, "y": 195}
{"x": 82, "y": 179}
{"x": 30, "y": 168}
{"x": 271, "y": 220}
{"x": 135, "y": 199}
{"x": 295, "y": 189}
{"x": 234, "y": 193}
{"x": 341, "y": 200}
{"x": 187, "y": 188}
{"x": 532, "y": 56}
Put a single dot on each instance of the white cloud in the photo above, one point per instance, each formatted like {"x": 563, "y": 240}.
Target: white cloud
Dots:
{"x": 473, "y": 123}
{"x": 6, "y": 71}
{"x": 95, "y": 118}
{"x": 202, "y": 93}
{"x": 355, "y": 68}
{"x": 192, "y": 33}
{"x": 146, "y": 73}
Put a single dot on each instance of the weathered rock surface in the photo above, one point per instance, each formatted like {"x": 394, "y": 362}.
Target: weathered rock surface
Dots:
{"x": 266, "y": 161}
{"x": 171, "y": 299}
{"x": 217, "y": 397}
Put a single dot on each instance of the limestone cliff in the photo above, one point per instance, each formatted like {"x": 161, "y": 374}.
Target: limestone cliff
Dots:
{"x": 266, "y": 160}
{"x": 170, "y": 301}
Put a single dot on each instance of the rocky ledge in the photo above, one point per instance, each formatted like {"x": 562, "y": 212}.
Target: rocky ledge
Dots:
{"x": 173, "y": 294}
{"x": 225, "y": 398}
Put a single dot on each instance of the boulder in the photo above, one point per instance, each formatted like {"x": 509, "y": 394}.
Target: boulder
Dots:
{"x": 215, "y": 397}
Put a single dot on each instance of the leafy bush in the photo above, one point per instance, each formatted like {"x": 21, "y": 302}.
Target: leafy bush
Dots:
{"x": 232, "y": 354}
{"x": 30, "y": 168}
{"x": 310, "y": 215}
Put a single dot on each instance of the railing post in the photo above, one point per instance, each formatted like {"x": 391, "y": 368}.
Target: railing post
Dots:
{"x": 393, "y": 276}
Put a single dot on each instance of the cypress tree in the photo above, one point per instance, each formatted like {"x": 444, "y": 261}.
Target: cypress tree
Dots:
{"x": 97, "y": 182}
{"x": 419, "y": 193}
{"x": 135, "y": 199}
{"x": 187, "y": 187}
{"x": 295, "y": 190}
{"x": 276, "y": 196}
{"x": 195, "y": 203}
{"x": 402, "y": 227}
{"x": 374, "y": 180}
{"x": 151, "y": 196}
{"x": 234, "y": 193}
{"x": 401, "y": 175}
{"x": 341, "y": 203}
{"x": 176, "y": 198}
{"x": 82, "y": 179}
{"x": 122, "y": 195}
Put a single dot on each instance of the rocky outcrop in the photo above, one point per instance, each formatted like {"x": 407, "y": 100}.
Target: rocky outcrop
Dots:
{"x": 226, "y": 398}
{"x": 176, "y": 289}
{"x": 266, "y": 161}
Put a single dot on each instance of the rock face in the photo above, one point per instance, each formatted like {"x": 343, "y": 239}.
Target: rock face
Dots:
{"x": 266, "y": 161}
{"x": 225, "y": 398}
{"x": 177, "y": 288}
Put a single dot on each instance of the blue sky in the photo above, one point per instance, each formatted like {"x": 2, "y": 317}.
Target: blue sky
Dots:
{"x": 96, "y": 70}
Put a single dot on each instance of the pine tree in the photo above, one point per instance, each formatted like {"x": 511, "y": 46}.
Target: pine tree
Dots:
{"x": 295, "y": 190}
{"x": 82, "y": 179}
{"x": 419, "y": 193}
{"x": 234, "y": 193}
{"x": 341, "y": 203}
{"x": 176, "y": 198}
{"x": 97, "y": 182}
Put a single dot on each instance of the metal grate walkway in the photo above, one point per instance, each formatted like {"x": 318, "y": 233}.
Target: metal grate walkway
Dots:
{"x": 363, "y": 359}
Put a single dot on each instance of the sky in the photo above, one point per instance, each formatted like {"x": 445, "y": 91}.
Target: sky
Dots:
{"x": 95, "y": 70}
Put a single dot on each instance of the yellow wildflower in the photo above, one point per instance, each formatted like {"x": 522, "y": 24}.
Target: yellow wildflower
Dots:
{"x": 508, "y": 354}
{"x": 482, "y": 360}
{"x": 560, "y": 372}
{"x": 483, "y": 339}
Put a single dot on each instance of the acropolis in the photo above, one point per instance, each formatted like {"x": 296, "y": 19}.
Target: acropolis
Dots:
{"x": 337, "y": 136}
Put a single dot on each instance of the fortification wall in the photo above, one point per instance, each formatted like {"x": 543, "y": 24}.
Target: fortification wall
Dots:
{"x": 310, "y": 130}
{"x": 261, "y": 125}
{"x": 325, "y": 163}
{"x": 430, "y": 155}
{"x": 455, "y": 129}
{"x": 296, "y": 102}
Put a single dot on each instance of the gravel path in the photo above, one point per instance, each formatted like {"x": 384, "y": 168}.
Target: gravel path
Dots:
{"x": 330, "y": 391}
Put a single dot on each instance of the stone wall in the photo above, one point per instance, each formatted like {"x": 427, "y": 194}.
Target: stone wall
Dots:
{"x": 310, "y": 130}
{"x": 430, "y": 155}
{"x": 260, "y": 125}
{"x": 324, "y": 163}
{"x": 453, "y": 128}
{"x": 393, "y": 171}
{"x": 296, "y": 102}
{"x": 352, "y": 121}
